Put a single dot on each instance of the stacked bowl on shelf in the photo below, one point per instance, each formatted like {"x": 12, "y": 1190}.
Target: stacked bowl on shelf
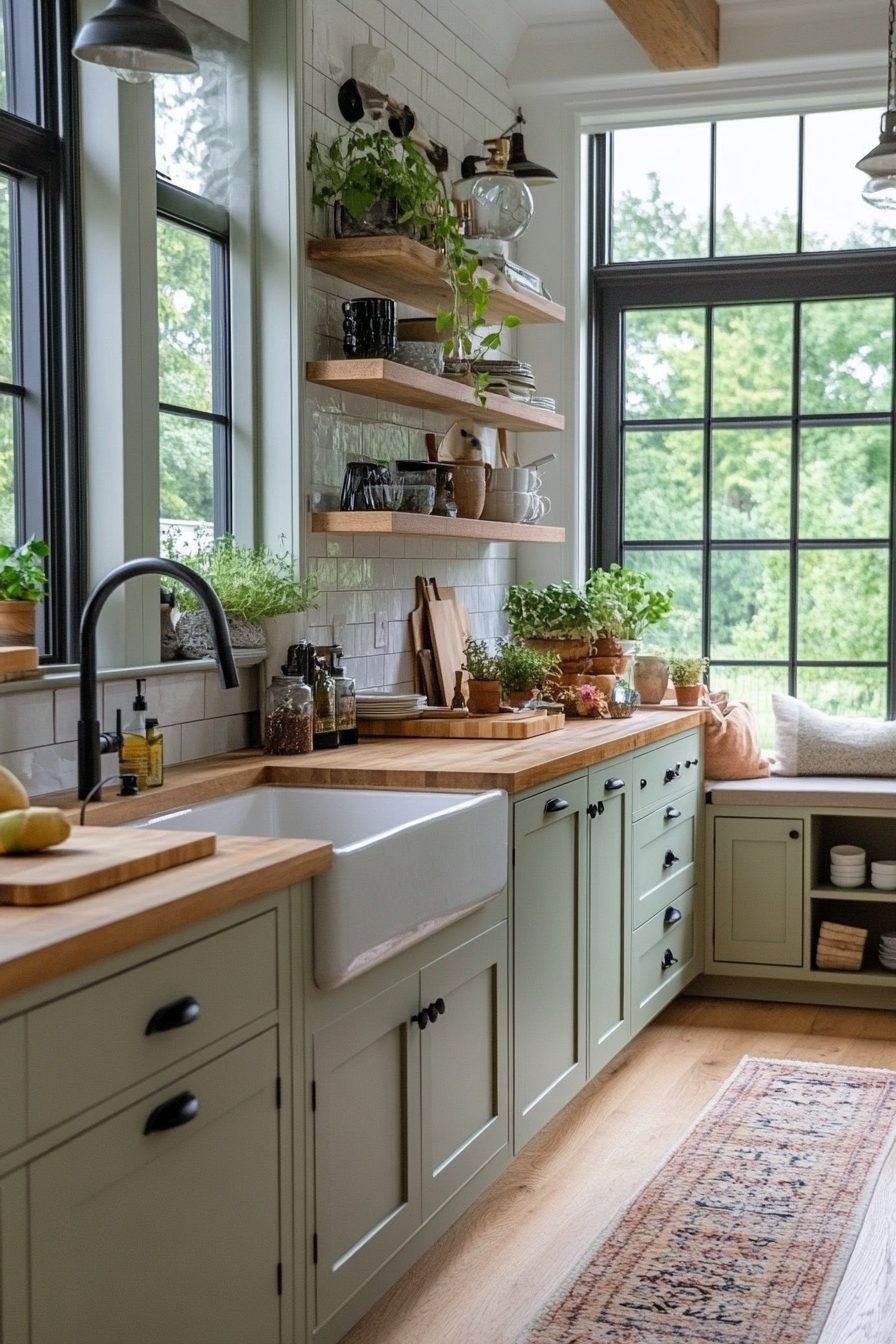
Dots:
{"x": 886, "y": 951}
{"x": 847, "y": 866}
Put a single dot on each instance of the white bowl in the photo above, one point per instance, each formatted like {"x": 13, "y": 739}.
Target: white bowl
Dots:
{"x": 847, "y": 881}
{"x": 839, "y": 852}
{"x": 884, "y": 866}
{"x": 881, "y": 883}
{"x": 847, "y": 869}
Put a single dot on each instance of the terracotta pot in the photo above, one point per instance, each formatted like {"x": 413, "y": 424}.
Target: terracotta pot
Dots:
{"x": 651, "y": 678}
{"x": 567, "y": 650}
{"x": 470, "y": 483}
{"x": 483, "y": 697}
{"x": 18, "y": 623}
{"x": 519, "y": 698}
{"x": 688, "y": 695}
{"x": 604, "y": 666}
{"x": 610, "y": 649}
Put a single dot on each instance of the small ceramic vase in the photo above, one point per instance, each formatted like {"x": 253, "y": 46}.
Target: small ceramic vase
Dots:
{"x": 470, "y": 483}
{"x": 651, "y": 678}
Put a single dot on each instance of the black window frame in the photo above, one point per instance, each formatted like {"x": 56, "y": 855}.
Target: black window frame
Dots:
{"x": 707, "y": 283}
{"x": 39, "y": 152}
{"x": 212, "y": 221}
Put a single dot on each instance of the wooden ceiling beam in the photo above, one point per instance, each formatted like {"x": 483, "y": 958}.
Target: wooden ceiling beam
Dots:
{"x": 676, "y": 34}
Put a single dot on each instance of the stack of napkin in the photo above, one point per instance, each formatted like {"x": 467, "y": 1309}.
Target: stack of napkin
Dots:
{"x": 840, "y": 947}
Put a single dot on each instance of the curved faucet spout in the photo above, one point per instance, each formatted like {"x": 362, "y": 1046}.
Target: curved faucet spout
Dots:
{"x": 89, "y": 745}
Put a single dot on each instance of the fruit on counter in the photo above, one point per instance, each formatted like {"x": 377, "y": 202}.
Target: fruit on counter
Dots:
{"x": 32, "y": 828}
{"x": 12, "y": 793}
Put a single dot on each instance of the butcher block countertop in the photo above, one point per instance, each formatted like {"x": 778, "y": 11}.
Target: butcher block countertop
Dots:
{"x": 39, "y": 943}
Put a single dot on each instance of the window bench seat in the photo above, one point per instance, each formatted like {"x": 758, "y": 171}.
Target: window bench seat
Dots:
{"x": 805, "y": 791}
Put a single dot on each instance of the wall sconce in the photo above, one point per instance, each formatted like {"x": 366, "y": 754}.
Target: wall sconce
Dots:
{"x": 357, "y": 100}
{"x": 500, "y": 204}
{"x": 134, "y": 40}
{"x": 533, "y": 174}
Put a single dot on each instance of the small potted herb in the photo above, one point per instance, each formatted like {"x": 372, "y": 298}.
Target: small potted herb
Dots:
{"x": 687, "y": 675}
{"x": 23, "y": 583}
{"x": 523, "y": 671}
{"x": 484, "y": 669}
{"x": 556, "y": 619}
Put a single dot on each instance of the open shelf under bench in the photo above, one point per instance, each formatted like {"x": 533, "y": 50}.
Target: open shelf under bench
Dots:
{"x": 425, "y": 525}
{"x": 411, "y": 273}
{"x": 387, "y": 381}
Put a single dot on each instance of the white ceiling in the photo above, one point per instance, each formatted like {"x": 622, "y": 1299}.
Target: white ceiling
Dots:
{"x": 570, "y": 11}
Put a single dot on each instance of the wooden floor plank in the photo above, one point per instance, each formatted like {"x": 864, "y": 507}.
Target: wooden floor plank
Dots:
{"x": 490, "y": 1273}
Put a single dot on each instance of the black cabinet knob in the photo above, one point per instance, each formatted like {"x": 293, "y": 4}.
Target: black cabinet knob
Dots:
{"x": 670, "y": 859}
{"x": 671, "y": 813}
{"x": 794, "y": 835}
{"x": 556, "y": 805}
{"x": 688, "y": 764}
{"x": 591, "y": 809}
{"x": 672, "y": 916}
{"x": 431, "y": 1013}
{"x": 180, "y": 1110}
{"x": 421, "y": 1018}
{"x": 614, "y": 784}
{"x": 440, "y": 1006}
{"x": 671, "y": 774}
{"x": 180, "y": 1013}
{"x": 643, "y": 783}
{"x": 668, "y": 960}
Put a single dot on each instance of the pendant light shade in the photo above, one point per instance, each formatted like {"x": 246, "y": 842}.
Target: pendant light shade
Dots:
{"x": 880, "y": 162}
{"x": 533, "y": 174}
{"x": 135, "y": 40}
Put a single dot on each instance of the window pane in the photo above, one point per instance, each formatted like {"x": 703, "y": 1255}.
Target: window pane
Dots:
{"x": 6, "y": 352}
{"x": 845, "y": 481}
{"x": 4, "y": 95}
{"x": 750, "y": 604}
{"x": 682, "y": 571}
{"x": 185, "y": 317}
{"x": 757, "y": 185}
{"x": 7, "y": 473}
{"x": 752, "y": 360}
{"x": 843, "y": 605}
{"x": 661, "y": 193}
{"x": 853, "y": 691}
{"x": 186, "y": 473}
{"x": 835, "y": 216}
{"x": 202, "y": 119}
{"x": 847, "y": 356}
{"x": 665, "y": 354}
{"x": 756, "y": 685}
{"x": 664, "y": 485}
{"x": 751, "y": 483}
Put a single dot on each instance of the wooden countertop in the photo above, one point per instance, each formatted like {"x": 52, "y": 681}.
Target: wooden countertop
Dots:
{"x": 39, "y": 943}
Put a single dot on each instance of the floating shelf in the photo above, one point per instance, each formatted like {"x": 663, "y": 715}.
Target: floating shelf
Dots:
{"x": 425, "y": 525}
{"x": 405, "y": 270}
{"x": 387, "y": 381}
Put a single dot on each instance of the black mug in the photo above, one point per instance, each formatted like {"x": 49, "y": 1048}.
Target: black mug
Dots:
{"x": 370, "y": 328}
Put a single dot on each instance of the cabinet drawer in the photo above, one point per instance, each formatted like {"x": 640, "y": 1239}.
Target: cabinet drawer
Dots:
{"x": 665, "y": 771}
{"x": 664, "y": 845}
{"x": 662, "y": 956}
{"x": 94, "y": 1043}
{"x": 12, "y": 1087}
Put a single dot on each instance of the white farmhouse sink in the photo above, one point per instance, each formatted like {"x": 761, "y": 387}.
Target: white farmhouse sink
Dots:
{"x": 404, "y": 864}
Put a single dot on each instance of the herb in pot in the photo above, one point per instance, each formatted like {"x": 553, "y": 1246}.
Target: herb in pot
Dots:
{"x": 622, "y": 605}
{"x": 687, "y": 671}
{"x": 22, "y": 574}
{"x": 254, "y": 583}
{"x": 522, "y": 668}
{"x": 479, "y": 662}
{"x": 559, "y": 611}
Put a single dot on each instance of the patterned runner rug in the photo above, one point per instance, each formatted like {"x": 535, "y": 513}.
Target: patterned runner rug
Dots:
{"x": 743, "y": 1235}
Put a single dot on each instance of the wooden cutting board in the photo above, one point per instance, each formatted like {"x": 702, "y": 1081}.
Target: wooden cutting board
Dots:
{"x": 419, "y": 632}
{"x": 18, "y": 658}
{"x": 488, "y": 727}
{"x": 94, "y": 858}
{"x": 447, "y": 645}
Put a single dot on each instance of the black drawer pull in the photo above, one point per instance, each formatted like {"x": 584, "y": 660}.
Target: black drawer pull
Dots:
{"x": 672, "y": 916}
{"x": 595, "y": 810}
{"x": 668, "y": 960}
{"x": 670, "y": 859}
{"x": 614, "y": 784}
{"x": 180, "y": 1110}
{"x": 435, "y": 1010}
{"x": 421, "y": 1018}
{"x": 556, "y": 805}
{"x": 671, "y": 813}
{"x": 672, "y": 774}
{"x": 643, "y": 783}
{"x": 178, "y": 1014}
{"x": 688, "y": 764}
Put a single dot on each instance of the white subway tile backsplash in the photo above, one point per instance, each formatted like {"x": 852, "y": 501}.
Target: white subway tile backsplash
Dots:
{"x": 26, "y": 720}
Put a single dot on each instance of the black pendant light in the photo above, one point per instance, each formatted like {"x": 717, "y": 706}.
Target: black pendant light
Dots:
{"x": 533, "y": 174}
{"x": 135, "y": 40}
{"x": 880, "y": 162}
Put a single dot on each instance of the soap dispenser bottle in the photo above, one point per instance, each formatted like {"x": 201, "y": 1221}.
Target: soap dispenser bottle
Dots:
{"x": 325, "y": 734}
{"x": 133, "y": 754}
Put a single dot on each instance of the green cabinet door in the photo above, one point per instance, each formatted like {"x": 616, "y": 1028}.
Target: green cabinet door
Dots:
{"x": 465, "y": 1103}
{"x": 550, "y": 912}
{"x": 609, "y": 921}
{"x": 759, "y": 891}
{"x": 14, "y": 1305}
{"x": 172, "y": 1236}
{"x": 366, "y": 1141}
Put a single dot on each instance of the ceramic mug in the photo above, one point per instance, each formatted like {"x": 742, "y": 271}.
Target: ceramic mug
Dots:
{"x": 369, "y": 327}
{"x": 470, "y": 482}
{"x": 540, "y": 505}
{"x": 508, "y": 506}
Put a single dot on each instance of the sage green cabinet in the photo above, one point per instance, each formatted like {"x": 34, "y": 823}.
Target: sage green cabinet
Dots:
{"x": 12, "y": 1084}
{"x": 609, "y": 921}
{"x": 550, "y": 949}
{"x": 14, "y": 1306}
{"x": 758, "y": 890}
{"x": 404, "y": 1115}
{"x": 172, "y": 1235}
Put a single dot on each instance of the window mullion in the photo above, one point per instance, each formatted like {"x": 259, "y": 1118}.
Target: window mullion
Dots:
{"x": 793, "y": 631}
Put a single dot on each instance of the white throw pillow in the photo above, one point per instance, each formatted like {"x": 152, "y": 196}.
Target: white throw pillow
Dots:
{"x": 810, "y": 742}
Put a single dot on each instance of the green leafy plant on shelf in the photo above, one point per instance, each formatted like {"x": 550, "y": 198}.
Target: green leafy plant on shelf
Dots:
{"x": 621, "y": 603}
{"x": 559, "y": 611}
{"x": 22, "y": 574}
{"x": 522, "y": 668}
{"x": 480, "y": 662}
{"x": 686, "y": 670}
{"x": 254, "y": 583}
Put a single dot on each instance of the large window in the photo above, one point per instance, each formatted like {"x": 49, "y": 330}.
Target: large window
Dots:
{"x": 40, "y": 480}
{"x": 745, "y": 324}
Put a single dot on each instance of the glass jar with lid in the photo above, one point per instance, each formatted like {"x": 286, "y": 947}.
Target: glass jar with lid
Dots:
{"x": 288, "y": 717}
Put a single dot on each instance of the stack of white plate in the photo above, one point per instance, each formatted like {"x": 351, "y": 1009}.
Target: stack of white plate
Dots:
{"x": 886, "y": 951}
{"x": 847, "y": 866}
{"x": 883, "y": 874}
{"x": 387, "y": 705}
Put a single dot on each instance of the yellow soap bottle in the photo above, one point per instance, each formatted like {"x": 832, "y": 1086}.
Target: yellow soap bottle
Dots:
{"x": 156, "y": 754}
{"x": 133, "y": 754}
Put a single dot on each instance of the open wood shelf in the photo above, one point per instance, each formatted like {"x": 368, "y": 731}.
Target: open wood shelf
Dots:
{"x": 411, "y": 273}
{"x": 425, "y": 525}
{"x": 387, "y": 381}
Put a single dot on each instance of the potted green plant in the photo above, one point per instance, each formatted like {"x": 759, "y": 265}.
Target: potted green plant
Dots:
{"x": 624, "y": 607}
{"x": 254, "y": 583}
{"x": 23, "y": 582}
{"x": 687, "y": 675}
{"x": 556, "y": 619}
{"x": 523, "y": 671}
{"x": 484, "y": 669}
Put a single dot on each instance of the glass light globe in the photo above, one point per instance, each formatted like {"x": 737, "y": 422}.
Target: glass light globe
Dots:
{"x": 133, "y": 76}
{"x": 502, "y": 206}
{"x": 880, "y": 192}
